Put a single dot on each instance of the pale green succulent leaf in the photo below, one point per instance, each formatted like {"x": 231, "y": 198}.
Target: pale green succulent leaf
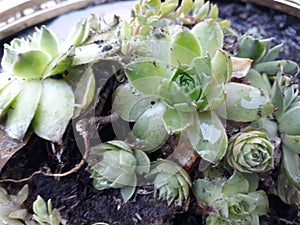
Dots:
{"x": 78, "y": 34}
{"x": 31, "y": 64}
{"x": 142, "y": 161}
{"x": 21, "y": 113}
{"x": 185, "y": 48}
{"x": 215, "y": 219}
{"x": 149, "y": 129}
{"x": 269, "y": 126}
{"x": 210, "y": 35}
{"x": 273, "y": 53}
{"x": 289, "y": 122}
{"x": 127, "y": 192}
{"x": 9, "y": 93}
{"x": 177, "y": 121}
{"x": 208, "y": 137}
{"x": 60, "y": 64}
{"x": 258, "y": 81}
{"x": 167, "y": 7}
{"x": 221, "y": 66}
{"x": 236, "y": 184}
{"x": 200, "y": 10}
{"x": 251, "y": 48}
{"x": 18, "y": 214}
{"x": 292, "y": 142}
{"x": 245, "y": 103}
{"x": 22, "y": 195}
{"x": 49, "y": 42}
{"x": 287, "y": 192}
{"x": 83, "y": 83}
{"x": 210, "y": 192}
{"x": 150, "y": 72}
{"x": 10, "y": 55}
{"x": 291, "y": 165}
{"x": 92, "y": 52}
{"x": 40, "y": 208}
{"x": 54, "y": 111}
{"x": 55, "y": 217}
{"x": 272, "y": 68}
{"x": 261, "y": 202}
{"x": 253, "y": 180}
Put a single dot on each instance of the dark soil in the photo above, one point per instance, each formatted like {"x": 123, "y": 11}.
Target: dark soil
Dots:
{"x": 81, "y": 204}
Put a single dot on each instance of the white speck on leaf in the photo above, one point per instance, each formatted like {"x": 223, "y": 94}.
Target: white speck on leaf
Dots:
{"x": 256, "y": 100}
{"x": 210, "y": 133}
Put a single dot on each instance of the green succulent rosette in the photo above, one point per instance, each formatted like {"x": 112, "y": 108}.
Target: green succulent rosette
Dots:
{"x": 250, "y": 152}
{"x": 115, "y": 165}
{"x": 44, "y": 83}
{"x": 171, "y": 182}
{"x": 234, "y": 200}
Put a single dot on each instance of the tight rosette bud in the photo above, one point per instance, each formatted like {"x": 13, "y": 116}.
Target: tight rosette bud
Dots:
{"x": 250, "y": 151}
{"x": 170, "y": 182}
{"x": 115, "y": 165}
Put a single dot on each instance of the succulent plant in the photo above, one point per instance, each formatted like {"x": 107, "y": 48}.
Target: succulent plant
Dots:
{"x": 250, "y": 152}
{"x": 11, "y": 211}
{"x": 48, "y": 81}
{"x": 44, "y": 214}
{"x": 171, "y": 182}
{"x": 233, "y": 200}
{"x": 115, "y": 165}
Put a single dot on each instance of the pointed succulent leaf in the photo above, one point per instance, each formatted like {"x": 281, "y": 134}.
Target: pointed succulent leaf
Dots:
{"x": 222, "y": 67}
{"x": 55, "y": 110}
{"x": 291, "y": 165}
{"x": 127, "y": 192}
{"x": 78, "y": 34}
{"x": 200, "y": 10}
{"x": 270, "y": 127}
{"x": 9, "y": 93}
{"x": 236, "y": 184}
{"x": 18, "y": 214}
{"x": 19, "y": 117}
{"x": 272, "y": 68}
{"x": 289, "y": 122}
{"x": 292, "y": 142}
{"x": 83, "y": 83}
{"x": 185, "y": 48}
{"x": 245, "y": 103}
{"x": 49, "y": 42}
{"x": 31, "y": 64}
{"x": 60, "y": 64}
{"x": 10, "y": 55}
{"x": 177, "y": 121}
{"x": 208, "y": 137}
{"x": 257, "y": 80}
{"x": 40, "y": 208}
{"x": 21, "y": 197}
{"x": 273, "y": 53}
{"x": 143, "y": 162}
{"x": 150, "y": 72}
{"x": 251, "y": 48}
{"x": 210, "y": 36}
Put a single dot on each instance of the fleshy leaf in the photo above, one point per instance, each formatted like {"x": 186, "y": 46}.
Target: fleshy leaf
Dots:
{"x": 210, "y": 35}
{"x": 208, "y": 137}
{"x": 292, "y": 142}
{"x": 9, "y": 93}
{"x": 149, "y": 129}
{"x": 146, "y": 75}
{"x": 127, "y": 192}
{"x": 291, "y": 164}
{"x": 245, "y": 103}
{"x": 184, "y": 48}
{"x": 55, "y": 110}
{"x": 289, "y": 122}
{"x": 222, "y": 67}
{"x": 236, "y": 184}
{"x": 31, "y": 64}
{"x": 272, "y": 68}
{"x": 251, "y": 48}
{"x": 82, "y": 81}
{"x": 23, "y": 109}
